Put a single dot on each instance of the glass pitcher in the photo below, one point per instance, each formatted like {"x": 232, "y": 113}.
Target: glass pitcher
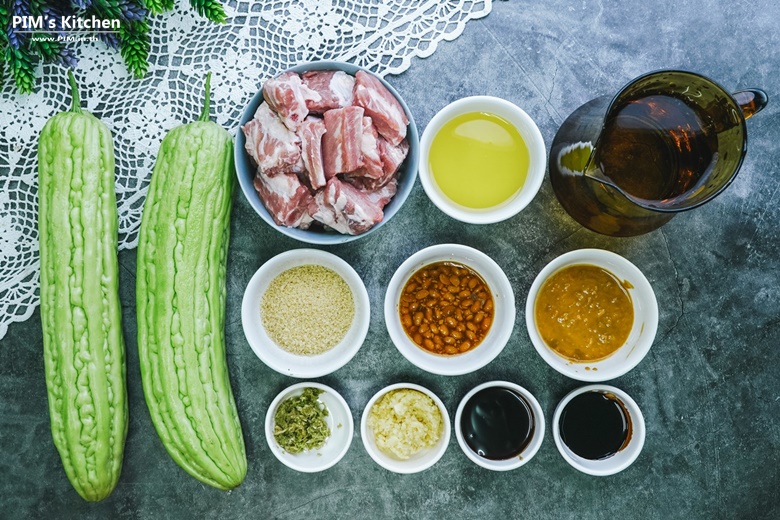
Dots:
{"x": 669, "y": 141}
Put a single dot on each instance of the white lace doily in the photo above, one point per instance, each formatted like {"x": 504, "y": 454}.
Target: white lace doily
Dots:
{"x": 258, "y": 40}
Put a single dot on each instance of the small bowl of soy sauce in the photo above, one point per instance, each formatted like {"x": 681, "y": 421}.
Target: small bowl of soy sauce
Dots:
{"x": 499, "y": 425}
{"x": 598, "y": 429}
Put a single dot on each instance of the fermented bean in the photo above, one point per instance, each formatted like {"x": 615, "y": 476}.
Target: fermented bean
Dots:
{"x": 486, "y": 324}
{"x": 446, "y": 304}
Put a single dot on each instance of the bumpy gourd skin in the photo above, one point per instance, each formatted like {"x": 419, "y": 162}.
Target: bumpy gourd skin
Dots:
{"x": 180, "y": 295}
{"x": 84, "y": 351}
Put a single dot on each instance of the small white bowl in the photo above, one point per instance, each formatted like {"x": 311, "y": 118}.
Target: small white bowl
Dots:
{"x": 639, "y": 339}
{"x": 528, "y": 131}
{"x": 617, "y": 462}
{"x": 503, "y": 317}
{"x": 339, "y": 420}
{"x": 529, "y": 451}
{"x": 273, "y": 355}
{"x": 418, "y": 462}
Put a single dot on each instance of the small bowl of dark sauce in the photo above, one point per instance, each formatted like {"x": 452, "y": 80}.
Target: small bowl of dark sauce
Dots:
{"x": 599, "y": 429}
{"x": 499, "y": 425}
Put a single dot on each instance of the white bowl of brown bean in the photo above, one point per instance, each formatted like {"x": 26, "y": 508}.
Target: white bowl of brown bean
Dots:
{"x": 591, "y": 315}
{"x": 449, "y": 309}
{"x": 305, "y": 313}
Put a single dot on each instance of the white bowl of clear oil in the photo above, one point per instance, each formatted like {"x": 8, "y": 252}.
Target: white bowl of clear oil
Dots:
{"x": 482, "y": 159}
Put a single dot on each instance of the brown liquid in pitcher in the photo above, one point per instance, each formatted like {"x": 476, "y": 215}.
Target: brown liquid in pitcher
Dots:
{"x": 656, "y": 147}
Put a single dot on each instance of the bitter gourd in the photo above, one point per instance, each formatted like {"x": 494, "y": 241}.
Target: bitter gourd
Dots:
{"x": 84, "y": 352}
{"x": 180, "y": 293}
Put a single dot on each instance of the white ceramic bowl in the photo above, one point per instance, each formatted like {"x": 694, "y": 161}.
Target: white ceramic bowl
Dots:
{"x": 299, "y": 365}
{"x": 530, "y": 134}
{"x": 339, "y": 420}
{"x": 418, "y": 462}
{"x": 639, "y": 339}
{"x": 617, "y": 462}
{"x": 529, "y": 451}
{"x": 503, "y": 318}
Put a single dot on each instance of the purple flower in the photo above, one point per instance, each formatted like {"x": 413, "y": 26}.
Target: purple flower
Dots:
{"x": 67, "y": 58}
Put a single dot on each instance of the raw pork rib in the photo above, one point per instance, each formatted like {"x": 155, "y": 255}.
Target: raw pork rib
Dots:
{"x": 383, "y": 108}
{"x": 311, "y": 132}
{"x": 334, "y": 87}
{"x": 369, "y": 147}
{"x": 341, "y": 144}
{"x": 344, "y": 208}
{"x": 392, "y": 156}
{"x": 287, "y": 96}
{"x": 274, "y": 148}
{"x": 285, "y": 198}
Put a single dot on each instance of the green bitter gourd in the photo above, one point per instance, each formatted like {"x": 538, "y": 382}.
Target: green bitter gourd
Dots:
{"x": 180, "y": 294}
{"x": 84, "y": 351}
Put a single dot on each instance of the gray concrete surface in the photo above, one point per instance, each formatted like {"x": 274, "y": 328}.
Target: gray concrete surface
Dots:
{"x": 709, "y": 388}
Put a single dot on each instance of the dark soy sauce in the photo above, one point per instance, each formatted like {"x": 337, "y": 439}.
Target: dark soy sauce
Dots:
{"x": 595, "y": 425}
{"x": 497, "y": 423}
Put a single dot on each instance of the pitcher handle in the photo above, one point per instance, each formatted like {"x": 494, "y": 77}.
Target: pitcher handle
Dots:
{"x": 750, "y": 100}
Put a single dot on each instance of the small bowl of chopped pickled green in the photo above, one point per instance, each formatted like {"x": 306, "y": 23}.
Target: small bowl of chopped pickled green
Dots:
{"x": 405, "y": 428}
{"x": 305, "y": 313}
{"x": 309, "y": 427}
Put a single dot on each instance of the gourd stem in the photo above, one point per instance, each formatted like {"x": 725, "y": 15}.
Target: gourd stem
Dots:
{"x": 204, "y": 116}
{"x": 76, "y": 103}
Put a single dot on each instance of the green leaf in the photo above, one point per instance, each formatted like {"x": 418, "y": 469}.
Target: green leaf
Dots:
{"x": 134, "y": 45}
{"x": 211, "y": 9}
{"x": 22, "y": 65}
